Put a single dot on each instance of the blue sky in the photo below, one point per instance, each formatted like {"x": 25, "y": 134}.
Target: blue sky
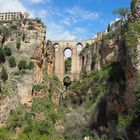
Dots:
{"x": 68, "y": 19}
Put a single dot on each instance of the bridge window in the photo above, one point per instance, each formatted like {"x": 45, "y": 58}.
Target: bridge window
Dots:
{"x": 67, "y": 82}
{"x": 56, "y": 46}
{"x": 79, "y": 46}
{"x": 67, "y": 60}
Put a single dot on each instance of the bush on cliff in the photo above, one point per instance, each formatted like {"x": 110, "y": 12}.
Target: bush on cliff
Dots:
{"x": 4, "y": 75}
{"x": 2, "y": 56}
{"x": 12, "y": 62}
{"x": 22, "y": 65}
{"x": 7, "y": 51}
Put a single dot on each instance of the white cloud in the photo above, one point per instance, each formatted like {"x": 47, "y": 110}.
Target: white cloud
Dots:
{"x": 14, "y": 6}
{"x": 65, "y": 17}
{"x": 77, "y": 14}
{"x": 66, "y": 21}
{"x": 39, "y": 1}
{"x": 57, "y": 32}
{"x": 67, "y": 35}
{"x": 79, "y": 30}
{"x": 42, "y": 14}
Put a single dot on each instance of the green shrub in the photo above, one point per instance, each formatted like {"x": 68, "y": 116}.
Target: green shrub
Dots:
{"x": 2, "y": 56}
{"x": 68, "y": 65}
{"x": 12, "y": 62}
{"x": 67, "y": 81}
{"x": 7, "y": 51}
{"x": 17, "y": 118}
{"x": 131, "y": 35}
{"x": 43, "y": 128}
{"x": 4, "y": 134}
{"x": 23, "y": 71}
{"x": 87, "y": 133}
{"x": 124, "y": 120}
{"x": 55, "y": 83}
{"x": 107, "y": 36}
{"x": 4, "y": 75}
{"x": 31, "y": 65}
{"x": 38, "y": 87}
{"x": 16, "y": 73}
{"x": 18, "y": 45}
{"x": 22, "y": 65}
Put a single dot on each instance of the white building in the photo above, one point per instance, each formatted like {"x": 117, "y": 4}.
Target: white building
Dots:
{"x": 11, "y": 16}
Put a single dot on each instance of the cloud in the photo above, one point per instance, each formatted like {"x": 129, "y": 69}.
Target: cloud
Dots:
{"x": 14, "y": 6}
{"x": 61, "y": 32}
{"x": 39, "y": 1}
{"x": 59, "y": 21}
{"x": 79, "y": 30}
{"x": 57, "y": 32}
{"x": 77, "y": 14}
{"x": 42, "y": 14}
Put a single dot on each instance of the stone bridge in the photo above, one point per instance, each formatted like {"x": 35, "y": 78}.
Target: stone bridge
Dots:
{"x": 60, "y": 47}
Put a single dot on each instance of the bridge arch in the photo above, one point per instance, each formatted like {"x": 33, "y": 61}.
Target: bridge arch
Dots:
{"x": 67, "y": 81}
{"x": 56, "y": 46}
{"x": 68, "y": 50}
{"x": 79, "y": 43}
{"x": 79, "y": 46}
{"x": 68, "y": 60}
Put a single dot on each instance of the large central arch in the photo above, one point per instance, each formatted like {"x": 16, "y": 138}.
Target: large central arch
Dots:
{"x": 60, "y": 47}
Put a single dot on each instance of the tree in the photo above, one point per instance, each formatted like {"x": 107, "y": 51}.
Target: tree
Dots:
{"x": 4, "y": 75}
{"x": 67, "y": 82}
{"x": 22, "y": 64}
{"x": 12, "y": 62}
{"x": 5, "y": 33}
{"x": 122, "y": 12}
{"x": 68, "y": 65}
{"x": 133, "y": 4}
{"x": 2, "y": 56}
{"x": 108, "y": 28}
{"x": 18, "y": 45}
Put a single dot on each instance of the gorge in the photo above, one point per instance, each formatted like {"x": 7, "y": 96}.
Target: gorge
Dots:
{"x": 97, "y": 97}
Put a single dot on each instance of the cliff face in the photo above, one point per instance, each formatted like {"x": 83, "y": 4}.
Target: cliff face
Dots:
{"x": 50, "y": 54}
{"x": 100, "y": 53}
{"x": 120, "y": 50}
{"x": 31, "y": 35}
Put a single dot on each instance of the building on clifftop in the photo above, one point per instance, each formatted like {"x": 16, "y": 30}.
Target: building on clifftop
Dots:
{"x": 7, "y": 16}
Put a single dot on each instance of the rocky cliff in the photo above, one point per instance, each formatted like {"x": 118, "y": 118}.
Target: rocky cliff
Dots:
{"x": 119, "y": 51}
{"x": 34, "y": 51}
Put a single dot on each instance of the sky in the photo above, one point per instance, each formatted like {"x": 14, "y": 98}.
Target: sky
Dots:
{"x": 68, "y": 19}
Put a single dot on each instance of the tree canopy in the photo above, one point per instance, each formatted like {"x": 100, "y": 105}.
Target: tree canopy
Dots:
{"x": 121, "y": 11}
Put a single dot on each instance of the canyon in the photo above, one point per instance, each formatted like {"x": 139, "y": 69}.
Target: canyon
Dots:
{"x": 102, "y": 99}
